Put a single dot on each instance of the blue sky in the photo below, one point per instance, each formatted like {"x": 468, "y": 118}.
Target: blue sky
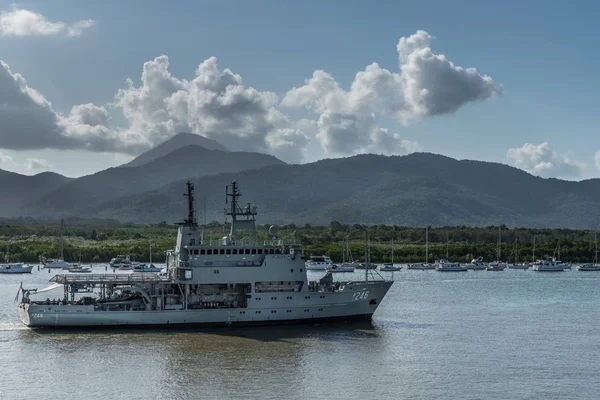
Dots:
{"x": 542, "y": 54}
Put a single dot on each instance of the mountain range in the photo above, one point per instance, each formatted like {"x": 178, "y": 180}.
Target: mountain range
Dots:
{"x": 414, "y": 190}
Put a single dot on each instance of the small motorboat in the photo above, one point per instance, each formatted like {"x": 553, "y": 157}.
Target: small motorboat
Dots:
{"x": 496, "y": 266}
{"x": 421, "y": 266}
{"x": 477, "y": 264}
{"x": 444, "y": 265}
{"x": 588, "y": 267}
{"x": 146, "y": 268}
{"x": 390, "y": 267}
{"x": 79, "y": 269}
{"x": 345, "y": 267}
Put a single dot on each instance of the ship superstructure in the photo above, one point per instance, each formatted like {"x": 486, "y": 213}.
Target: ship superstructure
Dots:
{"x": 238, "y": 281}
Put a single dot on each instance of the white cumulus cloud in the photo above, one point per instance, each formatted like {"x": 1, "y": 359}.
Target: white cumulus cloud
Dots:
{"x": 215, "y": 104}
{"x": 21, "y": 22}
{"x": 597, "y": 159}
{"x": 37, "y": 164}
{"x": 5, "y": 158}
{"x": 427, "y": 84}
{"x": 541, "y": 160}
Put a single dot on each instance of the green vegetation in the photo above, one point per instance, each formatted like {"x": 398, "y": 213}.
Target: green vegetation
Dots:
{"x": 99, "y": 241}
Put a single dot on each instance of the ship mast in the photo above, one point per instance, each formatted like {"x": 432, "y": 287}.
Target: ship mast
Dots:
{"x": 240, "y": 218}
{"x": 191, "y": 219}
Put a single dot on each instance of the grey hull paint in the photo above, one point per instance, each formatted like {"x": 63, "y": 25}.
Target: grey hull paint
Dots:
{"x": 348, "y": 304}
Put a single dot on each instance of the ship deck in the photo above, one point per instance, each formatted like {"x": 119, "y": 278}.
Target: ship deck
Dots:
{"x": 66, "y": 279}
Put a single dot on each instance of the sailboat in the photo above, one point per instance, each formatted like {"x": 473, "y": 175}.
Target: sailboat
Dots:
{"x": 348, "y": 264}
{"x": 147, "y": 268}
{"x": 367, "y": 264}
{"x": 517, "y": 264}
{"x": 390, "y": 267}
{"x": 422, "y": 266}
{"x": 9, "y": 268}
{"x": 78, "y": 267}
{"x": 443, "y": 265}
{"x": 497, "y": 265}
{"x": 595, "y": 266}
{"x": 57, "y": 263}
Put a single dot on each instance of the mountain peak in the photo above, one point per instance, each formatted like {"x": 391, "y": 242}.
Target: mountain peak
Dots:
{"x": 180, "y": 140}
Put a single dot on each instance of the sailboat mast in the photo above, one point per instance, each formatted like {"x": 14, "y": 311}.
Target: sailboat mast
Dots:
{"x": 596, "y": 241}
{"x": 446, "y": 245}
{"x": 499, "y": 244}
{"x": 392, "y": 252}
{"x": 366, "y": 254}
{"x": 427, "y": 245}
{"x": 151, "y": 252}
{"x": 533, "y": 254}
{"x": 62, "y": 226}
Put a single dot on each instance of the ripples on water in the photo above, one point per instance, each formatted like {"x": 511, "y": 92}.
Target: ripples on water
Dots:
{"x": 470, "y": 335}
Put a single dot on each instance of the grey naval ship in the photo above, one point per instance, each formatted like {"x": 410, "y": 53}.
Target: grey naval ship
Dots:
{"x": 237, "y": 282}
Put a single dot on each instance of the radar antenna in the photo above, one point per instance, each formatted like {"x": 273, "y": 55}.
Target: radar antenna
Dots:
{"x": 241, "y": 218}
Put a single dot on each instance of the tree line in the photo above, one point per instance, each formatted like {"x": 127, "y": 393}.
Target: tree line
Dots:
{"x": 99, "y": 241}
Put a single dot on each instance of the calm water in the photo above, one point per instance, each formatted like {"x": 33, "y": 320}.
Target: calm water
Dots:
{"x": 465, "y": 335}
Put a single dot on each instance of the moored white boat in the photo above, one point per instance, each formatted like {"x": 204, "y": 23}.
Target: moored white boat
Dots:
{"x": 550, "y": 264}
{"x": 426, "y": 265}
{"x": 346, "y": 267}
{"x": 421, "y": 266}
{"x": 477, "y": 264}
{"x": 318, "y": 263}
{"x": 595, "y": 266}
{"x": 57, "y": 263}
{"x": 588, "y": 267}
{"x": 390, "y": 267}
{"x": 121, "y": 262}
{"x": 496, "y": 266}
{"x": 443, "y": 265}
{"x": 15, "y": 269}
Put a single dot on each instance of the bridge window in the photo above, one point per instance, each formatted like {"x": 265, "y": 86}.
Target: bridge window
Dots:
{"x": 215, "y": 271}
{"x": 253, "y": 251}
{"x": 228, "y": 251}
{"x": 202, "y": 251}
{"x": 260, "y": 251}
{"x": 209, "y": 251}
{"x": 234, "y": 251}
{"x": 222, "y": 251}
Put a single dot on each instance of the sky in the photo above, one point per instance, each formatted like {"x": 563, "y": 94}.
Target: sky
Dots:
{"x": 89, "y": 85}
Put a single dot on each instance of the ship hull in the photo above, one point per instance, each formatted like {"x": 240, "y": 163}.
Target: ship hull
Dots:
{"x": 358, "y": 302}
